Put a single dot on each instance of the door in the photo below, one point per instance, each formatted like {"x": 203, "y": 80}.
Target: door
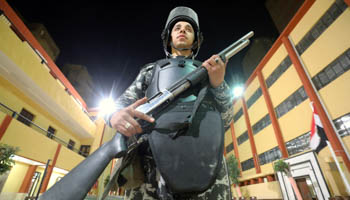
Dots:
{"x": 308, "y": 176}
{"x": 306, "y": 188}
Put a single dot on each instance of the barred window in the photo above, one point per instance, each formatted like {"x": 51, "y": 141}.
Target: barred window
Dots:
{"x": 238, "y": 115}
{"x": 248, "y": 164}
{"x": 242, "y": 138}
{"x": 261, "y": 124}
{"x": 342, "y": 125}
{"x": 332, "y": 71}
{"x": 299, "y": 144}
{"x": 25, "y": 117}
{"x": 270, "y": 156}
{"x": 254, "y": 97}
{"x": 291, "y": 102}
{"x": 229, "y": 148}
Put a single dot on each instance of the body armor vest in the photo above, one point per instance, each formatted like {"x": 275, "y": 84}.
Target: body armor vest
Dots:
{"x": 186, "y": 143}
{"x": 168, "y": 71}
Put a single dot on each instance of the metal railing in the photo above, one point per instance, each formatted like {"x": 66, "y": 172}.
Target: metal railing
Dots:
{"x": 5, "y": 109}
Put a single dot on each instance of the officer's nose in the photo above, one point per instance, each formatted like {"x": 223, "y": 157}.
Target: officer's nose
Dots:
{"x": 182, "y": 30}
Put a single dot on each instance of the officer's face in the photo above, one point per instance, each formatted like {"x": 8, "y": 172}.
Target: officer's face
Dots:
{"x": 182, "y": 35}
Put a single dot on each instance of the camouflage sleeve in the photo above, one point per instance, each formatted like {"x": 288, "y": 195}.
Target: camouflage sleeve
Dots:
{"x": 134, "y": 92}
{"x": 222, "y": 96}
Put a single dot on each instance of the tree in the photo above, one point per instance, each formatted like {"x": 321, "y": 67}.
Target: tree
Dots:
{"x": 283, "y": 167}
{"x": 234, "y": 172}
{"x": 6, "y": 154}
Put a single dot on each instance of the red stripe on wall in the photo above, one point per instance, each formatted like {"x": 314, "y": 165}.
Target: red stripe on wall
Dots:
{"x": 4, "y": 125}
{"x": 50, "y": 169}
{"x": 251, "y": 137}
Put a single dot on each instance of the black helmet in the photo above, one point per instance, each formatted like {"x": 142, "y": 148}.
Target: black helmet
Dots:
{"x": 182, "y": 14}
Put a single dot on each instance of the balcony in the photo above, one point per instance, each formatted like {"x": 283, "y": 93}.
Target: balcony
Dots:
{"x": 26, "y": 68}
{"x": 35, "y": 142}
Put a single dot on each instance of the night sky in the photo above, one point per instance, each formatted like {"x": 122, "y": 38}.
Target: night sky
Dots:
{"x": 115, "y": 39}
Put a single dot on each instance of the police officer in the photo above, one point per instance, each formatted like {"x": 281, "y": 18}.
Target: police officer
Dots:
{"x": 181, "y": 40}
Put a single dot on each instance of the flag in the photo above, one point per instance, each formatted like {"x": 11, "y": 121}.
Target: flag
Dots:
{"x": 317, "y": 137}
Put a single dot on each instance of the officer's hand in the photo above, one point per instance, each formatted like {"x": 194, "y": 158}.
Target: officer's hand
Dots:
{"x": 125, "y": 122}
{"x": 216, "y": 70}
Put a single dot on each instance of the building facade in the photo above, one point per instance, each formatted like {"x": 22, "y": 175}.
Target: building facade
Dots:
{"x": 309, "y": 62}
{"x": 41, "y": 113}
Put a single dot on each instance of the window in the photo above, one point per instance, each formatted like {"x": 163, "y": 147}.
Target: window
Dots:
{"x": 238, "y": 115}
{"x": 254, "y": 97}
{"x": 270, "y": 156}
{"x": 261, "y": 124}
{"x": 242, "y": 138}
{"x": 229, "y": 148}
{"x": 25, "y": 117}
{"x": 291, "y": 102}
{"x": 71, "y": 144}
{"x": 51, "y": 132}
{"x": 342, "y": 125}
{"x": 248, "y": 164}
{"x": 84, "y": 150}
{"x": 298, "y": 144}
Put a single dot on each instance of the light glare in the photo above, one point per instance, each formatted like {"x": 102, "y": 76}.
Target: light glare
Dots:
{"x": 238, "y": 91}
{"x": 106, "y": 106}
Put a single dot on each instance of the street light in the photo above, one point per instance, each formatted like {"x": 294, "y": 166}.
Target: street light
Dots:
{"x": 238, "y": 91}
{"x": 106, "y": 106}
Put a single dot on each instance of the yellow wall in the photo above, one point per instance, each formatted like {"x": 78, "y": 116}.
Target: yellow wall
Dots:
{"x": 53, "y": 178}
{"x": 285, "y": 85}
{"x": 317, "y": 9}
{"x": 228, "y": 137}
{"x": 336, "y": 96}
{"x": 265, "y": 139}
{"x": 268, "y": 190}
{"x": 15, "y": 178}
{"x": 237, "y": 106}
{"x": 27, "y": 60}
{"x": 2, "y": 116}
{"x": 267, "y": 169}
{"x": 249, "y": 91}
{"x": 98, "y": 135}
{"x": 296, "y": 122}
{"x": 240, "y": 126}
{"x": 331, "y": 173}
{"x": 244, "y": 151}
{"x": 32, "y": 144}
{"x": 247, "y": 173}
{"x": 274, "y": 61}
{"x": 258, "y": 110}
{"x": 331, "y": 43}
{"x": 68, "y": 159}
{"x": 16, "y": 100}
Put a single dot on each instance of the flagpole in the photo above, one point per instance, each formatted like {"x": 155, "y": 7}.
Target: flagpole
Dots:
{"x": 346, "y": 182}
{"x": 321, "y": 101}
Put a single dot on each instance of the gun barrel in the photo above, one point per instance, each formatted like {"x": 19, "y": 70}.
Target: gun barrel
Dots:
{"x": 235, "y": 47}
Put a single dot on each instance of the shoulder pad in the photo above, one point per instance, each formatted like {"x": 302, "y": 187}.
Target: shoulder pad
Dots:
{"x": 148, "y": 66}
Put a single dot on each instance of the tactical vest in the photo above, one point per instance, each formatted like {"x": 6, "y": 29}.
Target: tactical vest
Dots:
{"x": 187, "y": 140}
